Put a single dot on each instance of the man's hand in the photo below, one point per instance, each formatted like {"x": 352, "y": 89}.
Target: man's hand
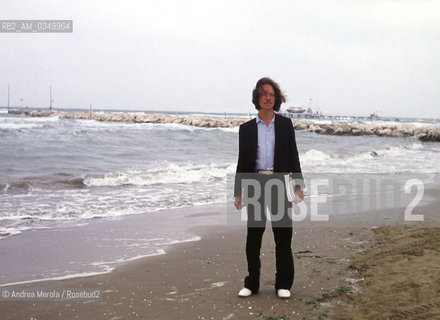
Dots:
{"x": 238, "y": 204}
{"x": 299, "y": 195}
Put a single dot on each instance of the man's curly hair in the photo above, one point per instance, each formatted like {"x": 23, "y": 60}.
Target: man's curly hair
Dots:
{"x": 279, "y": 96}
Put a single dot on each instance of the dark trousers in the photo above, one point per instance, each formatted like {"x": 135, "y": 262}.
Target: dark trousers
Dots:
{"x": 282, "y": 230}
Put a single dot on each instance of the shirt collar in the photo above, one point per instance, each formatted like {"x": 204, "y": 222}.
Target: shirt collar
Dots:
{"x": 259, "y": 120}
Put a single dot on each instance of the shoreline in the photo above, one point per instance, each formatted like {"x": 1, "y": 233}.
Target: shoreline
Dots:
{"x": 200, "y": 279}
{"x": 102, "y": 245}
{"x": 427, "y": 134}
{"x": 336, "y": 277}
{"x": 99, "y": 246}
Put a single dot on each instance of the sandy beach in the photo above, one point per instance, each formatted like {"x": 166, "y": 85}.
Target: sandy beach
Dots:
{"x": 343, "y": 270}
{"x": 200, "y": 280}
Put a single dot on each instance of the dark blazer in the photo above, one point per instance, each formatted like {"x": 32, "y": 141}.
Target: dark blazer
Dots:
{"x": 286, "y": 158}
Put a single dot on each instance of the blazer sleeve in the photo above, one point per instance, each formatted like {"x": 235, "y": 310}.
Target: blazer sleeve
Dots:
{"x": 241, "y": 165}
{"x": 294, "y": 157}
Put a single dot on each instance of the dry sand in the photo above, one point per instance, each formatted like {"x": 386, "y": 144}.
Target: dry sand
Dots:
{"x": 401, "y": 277}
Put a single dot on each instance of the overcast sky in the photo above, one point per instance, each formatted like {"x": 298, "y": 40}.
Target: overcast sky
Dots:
{"x": 349, "y": 57}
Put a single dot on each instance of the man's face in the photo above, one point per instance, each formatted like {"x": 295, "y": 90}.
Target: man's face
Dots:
{"x": 267, "y": 97}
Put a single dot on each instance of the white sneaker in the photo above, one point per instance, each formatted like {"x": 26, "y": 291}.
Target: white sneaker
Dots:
{"x": 244, "y": 293}
{"x": 283, "y": 293}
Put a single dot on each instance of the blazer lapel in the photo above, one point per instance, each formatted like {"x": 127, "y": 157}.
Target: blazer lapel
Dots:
{"x": 254, "y": 141}
{"x": 278, "y": 141}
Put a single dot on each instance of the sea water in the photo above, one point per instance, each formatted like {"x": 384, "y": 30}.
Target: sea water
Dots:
{"x": 56, "y": 172}
{"x": 67, "y": 176}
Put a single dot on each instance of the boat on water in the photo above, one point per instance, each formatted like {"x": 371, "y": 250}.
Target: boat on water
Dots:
{"x": 296, "y": 110}
{"x": 374, "y": 116}
{"x": 302, "y": 113}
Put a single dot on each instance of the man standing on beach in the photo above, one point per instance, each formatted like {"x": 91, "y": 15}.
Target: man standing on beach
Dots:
{"x": 267, "y": 151}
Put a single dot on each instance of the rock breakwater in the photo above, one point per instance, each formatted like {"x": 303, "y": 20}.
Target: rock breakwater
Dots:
{"x": 357, "y": 129}
{"x": 425, "y": 133}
